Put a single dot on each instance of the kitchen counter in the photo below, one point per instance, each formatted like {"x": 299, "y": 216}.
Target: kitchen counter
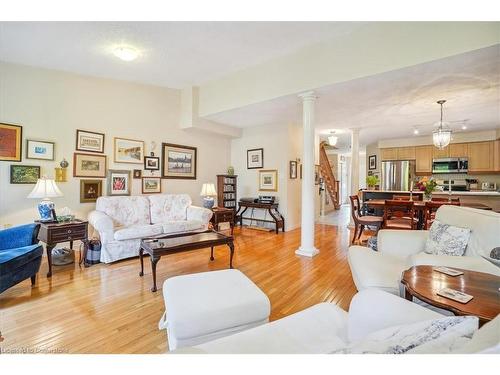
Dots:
{"x": 477, "y": 192}
{"x": 391, "y": 191}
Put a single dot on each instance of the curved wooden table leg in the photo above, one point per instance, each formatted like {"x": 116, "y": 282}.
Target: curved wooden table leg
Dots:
{"x": 141, "y": 258}
{"x": 49, "y": 248}
{"x": 154, "y": 261}
{"x": 212, "y": 253}
{"x": 231, "y": 249}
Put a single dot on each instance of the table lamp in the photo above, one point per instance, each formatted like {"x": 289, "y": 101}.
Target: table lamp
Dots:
{"x": 208, "y": 192}
{"x": 46, "y": 188}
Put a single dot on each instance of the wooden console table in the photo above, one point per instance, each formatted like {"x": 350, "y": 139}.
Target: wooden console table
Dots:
{"x": 278, "y": 219}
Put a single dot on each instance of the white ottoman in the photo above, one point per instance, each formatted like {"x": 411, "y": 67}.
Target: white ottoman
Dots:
{"x": 205, "y": 306}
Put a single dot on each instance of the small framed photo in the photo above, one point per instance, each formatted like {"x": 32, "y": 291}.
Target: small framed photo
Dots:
{"x": 293, "y": 170}
{"x": 268, "y": 180}
{"x": 151, "y": 163}
{"x": 24, "y": 174}
{"x": 11, "y": 142}
{"x": 118, "y": 182}
{"x": 255, "y": 158}
{"x": 86, "y": 165}
{"x": 137, "y": 173}
{"x": 372, "y": 162}
{"x": 300, "y": 168}
{"x": 90, "y": 190}
{"x": 151, "y": 185}
{"x": 179, "y": 161}
{"x": 39, "y": 150}
{"x": 89, "y": 141}
{"x": 128, "y": 151}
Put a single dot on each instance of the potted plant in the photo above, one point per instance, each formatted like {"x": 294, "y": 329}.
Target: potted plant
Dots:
{"x": 427, "y": 185}
{"x": 372, "y": 181}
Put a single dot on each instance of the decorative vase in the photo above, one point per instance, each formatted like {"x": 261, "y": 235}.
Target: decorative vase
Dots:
{"x": 45, "y": 208}
{"x": 230, "y": 171}
{"x": 208, "y": 202}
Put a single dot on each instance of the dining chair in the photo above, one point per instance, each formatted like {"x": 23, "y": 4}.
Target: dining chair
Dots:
{"x": 362, "y": 221}
{"x": 399, "y": 214}
{"x": 430, "y": 210}
{"x": 454, "y": 199}
{"x": 414, "y": 197}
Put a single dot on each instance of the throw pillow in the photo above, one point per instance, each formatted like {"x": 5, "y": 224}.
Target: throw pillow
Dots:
{"x": 441, "y": 335}
{"x": 445, "y": 239}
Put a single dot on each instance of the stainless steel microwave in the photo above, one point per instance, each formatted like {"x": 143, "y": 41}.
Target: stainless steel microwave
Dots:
{"x": 450, "y": 165}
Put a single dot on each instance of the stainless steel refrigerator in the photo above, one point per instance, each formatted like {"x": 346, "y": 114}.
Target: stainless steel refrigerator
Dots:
{"x": 397, "y": 175}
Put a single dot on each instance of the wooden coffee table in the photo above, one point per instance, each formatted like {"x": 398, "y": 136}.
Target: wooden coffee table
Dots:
{"x": 157, "y": 247}
{"x": 423, "y": 283}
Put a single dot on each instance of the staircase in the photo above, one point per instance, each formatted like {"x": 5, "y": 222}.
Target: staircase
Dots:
{"x": 331, "y": 184}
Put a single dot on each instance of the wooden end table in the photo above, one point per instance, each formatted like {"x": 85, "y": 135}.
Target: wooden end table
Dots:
{"x": 423, "y": 282}
{"x": 159, "y": 246}
{"x": 55, "y": 233}
{"x": 222, "y": 215}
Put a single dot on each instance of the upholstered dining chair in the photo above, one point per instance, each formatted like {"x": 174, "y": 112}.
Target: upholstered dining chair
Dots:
{"x": 362, "y": 221}
{"x": 399, "y": 214}
{"x": 430, "y": 210}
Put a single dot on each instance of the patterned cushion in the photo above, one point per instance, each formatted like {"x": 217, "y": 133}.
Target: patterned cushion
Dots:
{"x": 169, "y": 207}
{"x": 181, "y": 226}
{"x": 137, "y": 231}
{"x": 445, "y": 239}
{"x": 125, "y": 211}
{"x": 442, "y": 335}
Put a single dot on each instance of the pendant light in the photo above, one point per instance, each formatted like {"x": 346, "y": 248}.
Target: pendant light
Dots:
{"x": 441, "y": 137}
{"x": 332, "y": 139}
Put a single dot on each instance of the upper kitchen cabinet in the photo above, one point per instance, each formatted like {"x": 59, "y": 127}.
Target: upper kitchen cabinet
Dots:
{"x": 481, "y": 156}
{"x": 458, "y": 150}
{"x": 496, "y": 155}
{"x": 406, "y": 153}
{"x": 440, "y": 154}
{"x": 423, "y": 156}
{"x": 389, "y": 153}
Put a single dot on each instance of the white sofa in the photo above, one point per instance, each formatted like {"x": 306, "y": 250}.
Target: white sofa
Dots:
{"x": 121, "y": 222}
{"x": 399, "y": 250}
{"x": 326, "y": 328}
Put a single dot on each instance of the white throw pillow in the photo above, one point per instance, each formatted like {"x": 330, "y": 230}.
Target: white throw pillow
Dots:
{"x": 445, "y": 239}
{"x": 441, "y": 335}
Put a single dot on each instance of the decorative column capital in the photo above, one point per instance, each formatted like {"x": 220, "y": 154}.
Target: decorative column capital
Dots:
{"x": 308, "y": 96}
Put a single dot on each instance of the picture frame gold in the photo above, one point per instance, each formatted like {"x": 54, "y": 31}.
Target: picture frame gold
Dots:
{"x": 90, "y": 190}
{"x": 11, "y": 145}
{"x": 129, "y": 151}
{"x": 84, "y": 165}
{"x": 268, "y": 180}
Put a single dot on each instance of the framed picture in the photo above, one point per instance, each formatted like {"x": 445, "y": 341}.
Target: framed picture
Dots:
{"x": 39, "y": 150}
{"x": 178, "y": 161}
{"x": 293, "y": 170}
{"x": 255, "y": 158}
{"x": 300, "y": 167}
{"x": 24, "y": 174}
{"x": 151, "y": 185}
{"x": 85, "y": 165}
{"x": 317, "y": 174}
{"x": 128, "y": 151}
{"x": 89, "y": 141}
{"x": 151, "y": 163}
{"x": 11, "y": 142}
{"x": 90, "y": 190}
{"x": 268, "y": 180}
{"x": 118, "y": 182}
{"x": 137, "y": 173}
{"x": 372, "y": 162}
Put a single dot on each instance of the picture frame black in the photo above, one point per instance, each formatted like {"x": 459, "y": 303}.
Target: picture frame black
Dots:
{"x": 99, "y": 137}
{"x": 137, "y": 173}
{"x": 151, "y": 163}
{"x": 255, "y": 153}
{"x": 31, "y": 150}
{"x": 167, "y": 148}
{"x": 372, "y": 162}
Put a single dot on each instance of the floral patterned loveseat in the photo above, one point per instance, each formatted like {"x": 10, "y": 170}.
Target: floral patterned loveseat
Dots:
{"x": 123, "y": 221}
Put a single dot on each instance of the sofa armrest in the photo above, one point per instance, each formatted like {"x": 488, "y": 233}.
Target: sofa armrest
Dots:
{"x": 372, "y": 310}
{"x": 476, "y": 264}
{"x": 19, "y": 236}
{"x": 103, "y": 224}
{"x": 401, "y": 243}
{"x": 199, "y": 213}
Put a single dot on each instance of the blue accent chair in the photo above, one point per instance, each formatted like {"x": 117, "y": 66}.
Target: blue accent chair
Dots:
{"x": 20, "y": 255}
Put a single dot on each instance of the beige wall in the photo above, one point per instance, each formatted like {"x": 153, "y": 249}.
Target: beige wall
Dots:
{"x": 51, "y": 105}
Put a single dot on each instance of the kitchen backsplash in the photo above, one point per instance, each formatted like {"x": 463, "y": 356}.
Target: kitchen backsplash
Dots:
{"x": 479, "y": 177}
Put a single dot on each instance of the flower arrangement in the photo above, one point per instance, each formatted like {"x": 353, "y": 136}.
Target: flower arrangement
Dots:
{"x": 427, "y": 185}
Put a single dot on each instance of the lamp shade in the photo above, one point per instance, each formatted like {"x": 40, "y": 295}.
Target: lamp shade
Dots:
{"x": 441, "y": 137}
{"x": 45, "y": 188}
{"x": 208, "y": 190}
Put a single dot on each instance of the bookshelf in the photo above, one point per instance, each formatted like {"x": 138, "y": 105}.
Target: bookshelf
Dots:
{"x": 226, "y": 191}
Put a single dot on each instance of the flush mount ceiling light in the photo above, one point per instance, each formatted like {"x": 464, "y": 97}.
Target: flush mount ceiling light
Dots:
{"x": 332, "y": 139}
{"x": 126, "y": 53}
{"x": 441, "y": 137}
{"x": 416, "y": 131}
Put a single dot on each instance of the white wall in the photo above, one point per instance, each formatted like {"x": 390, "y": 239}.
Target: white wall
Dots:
{"x": 51, "y": 105}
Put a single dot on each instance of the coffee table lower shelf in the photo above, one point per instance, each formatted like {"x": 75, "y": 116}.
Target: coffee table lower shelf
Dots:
{"x": 156, "y": 247}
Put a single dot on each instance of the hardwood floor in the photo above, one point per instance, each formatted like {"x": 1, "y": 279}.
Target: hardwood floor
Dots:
{"x": 108, "y": 308}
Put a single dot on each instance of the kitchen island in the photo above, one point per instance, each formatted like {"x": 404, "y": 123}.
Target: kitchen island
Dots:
{"x": 489, "y": 198}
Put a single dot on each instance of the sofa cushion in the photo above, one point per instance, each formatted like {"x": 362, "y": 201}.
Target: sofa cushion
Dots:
{"x": 486, "y": 340}
{"x": 169, "y": 207}
{"x": 445, "y": 239}
{"x": 125, "y": 211}
{"x": 11, "y": 259}
{"x": 181, "y": 226}
{"x": 137, "y": 231}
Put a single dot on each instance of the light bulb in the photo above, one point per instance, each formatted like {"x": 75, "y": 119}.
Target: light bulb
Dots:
{"x": 126, "y": 53}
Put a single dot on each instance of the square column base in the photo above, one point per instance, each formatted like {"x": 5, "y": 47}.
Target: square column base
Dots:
{"x": 307, "y": 252}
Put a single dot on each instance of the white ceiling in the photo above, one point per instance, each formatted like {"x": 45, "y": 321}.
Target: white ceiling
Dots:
{"x": 173, "y": 54}
{"x": 392, "y": 104}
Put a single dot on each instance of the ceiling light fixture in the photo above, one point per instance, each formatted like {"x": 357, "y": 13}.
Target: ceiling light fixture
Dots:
{"x": 415, "y": 131}
{"x": 126, "y": 53}
{"x": 464, "y": 127}
{"x": 441, "y": 137}
{"x": 332, "y": 140}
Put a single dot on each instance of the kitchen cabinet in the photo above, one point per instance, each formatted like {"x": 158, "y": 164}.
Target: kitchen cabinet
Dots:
{"x": 389, "y": 153}
{"x": 496, "y": 156}
{"x": 440, "y": 154}
{"x": 481, "y": 156}
{"x": 423, "y": 157}
{"x": 406, "y": 153}
{"x": 458, "y": 150}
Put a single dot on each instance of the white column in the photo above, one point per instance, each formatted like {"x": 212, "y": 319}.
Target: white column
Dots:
{"x": 307, "y": 227}
{"x": 354, "y": 166}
